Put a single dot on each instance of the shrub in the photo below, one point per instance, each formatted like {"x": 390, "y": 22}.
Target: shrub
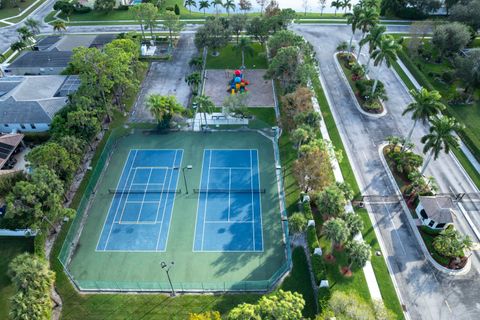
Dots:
{"x": 318, "y": 268}
{"x": 374, "y": 106}
{"x": 297, "y": 222}
{"x": 176, "y": 10}
{"x": 447, "y": 77}
{"x": 82, "y": 9}
{"x": 312, "y": 239}
{"x": 342, "y": 46}
{"x": 123, "y": 8}
{"x": 307, "y": 210}
{"x": 365, "y": 87}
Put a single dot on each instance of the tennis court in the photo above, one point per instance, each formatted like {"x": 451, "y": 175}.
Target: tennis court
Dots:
{"x": 229, "y": 216}
{"x": 141, "y": 208}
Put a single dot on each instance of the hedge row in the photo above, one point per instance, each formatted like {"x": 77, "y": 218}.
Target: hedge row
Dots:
{"x": 307, "y": 210}
{"x": 312, "y": 239}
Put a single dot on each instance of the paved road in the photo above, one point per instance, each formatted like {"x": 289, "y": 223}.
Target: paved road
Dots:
{"x": 427, "y": 294}
{"x": 167, "y": 78}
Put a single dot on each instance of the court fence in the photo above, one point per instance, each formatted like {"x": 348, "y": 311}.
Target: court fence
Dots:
{"x": 73, "y": 235}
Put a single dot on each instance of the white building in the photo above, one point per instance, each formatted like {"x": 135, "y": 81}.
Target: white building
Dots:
{"x": 436, "y": 212}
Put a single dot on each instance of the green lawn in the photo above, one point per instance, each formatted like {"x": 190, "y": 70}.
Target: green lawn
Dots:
{"x": 12, "y": 11}
{"x": 230, "y": 58}
{"x": 385, "y": 283}
{"x": 10, "y": 247}
{"x": 430, "y": 75}
{"x": 263, "y": 118}
{"x": 299, "y": 281}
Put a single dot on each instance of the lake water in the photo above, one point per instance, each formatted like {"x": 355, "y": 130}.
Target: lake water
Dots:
{"x": 297, "y": 5}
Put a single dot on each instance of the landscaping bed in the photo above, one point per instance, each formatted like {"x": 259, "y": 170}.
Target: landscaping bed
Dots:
{"x": 361, "y": 85}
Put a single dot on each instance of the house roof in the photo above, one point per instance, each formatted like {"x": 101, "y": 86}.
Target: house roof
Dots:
{"x": 8, "y": 144}
{"x": 13, "y": 111}
{"x": 47, "y": 42}
{"x": 42, "y": 59}
{"x": 102, "y": 39}
{"x": 439, "y": 209}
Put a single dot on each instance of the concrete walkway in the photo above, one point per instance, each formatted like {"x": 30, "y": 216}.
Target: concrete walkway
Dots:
{"x": 337, "y": 173}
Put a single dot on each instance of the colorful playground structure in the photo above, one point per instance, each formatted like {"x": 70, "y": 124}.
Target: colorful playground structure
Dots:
{"x": 238, "y": 84}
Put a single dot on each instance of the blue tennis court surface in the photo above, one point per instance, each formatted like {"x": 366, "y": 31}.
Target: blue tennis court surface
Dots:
{"x": 229, "y": 216}
{"x": 141, "y": 209}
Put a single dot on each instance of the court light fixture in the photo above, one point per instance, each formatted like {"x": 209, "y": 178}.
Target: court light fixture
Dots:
{"x": 166, "y": 267}
{"x": 188, "y": 167}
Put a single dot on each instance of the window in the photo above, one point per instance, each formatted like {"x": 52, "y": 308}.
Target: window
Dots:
{"x": 423, "y": 214}
{"x": 441, "y": 225}
{"x": 33, "y": 126}
{"x": 5, "y": 125}
{"x": 431, "y": 223}
{"x": 22, "y": 126}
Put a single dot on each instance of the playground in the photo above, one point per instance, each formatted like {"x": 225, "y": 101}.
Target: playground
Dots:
{"x": 259, "y": 90}
{"x": 207, "y": 202}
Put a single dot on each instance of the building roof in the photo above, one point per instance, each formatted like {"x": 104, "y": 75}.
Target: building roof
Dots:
{"x": 13, "y": 111}
{"x": 42, "y": 59}
{"x": 102, "y": 39}
{"x": 8, "y": 144}
{"x": 46, "y": 43}
{"x": 439, "y": 209}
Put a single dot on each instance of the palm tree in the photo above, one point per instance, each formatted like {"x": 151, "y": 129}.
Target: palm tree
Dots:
{"x": 163, "y": 108}
{"x": 346, "y": 4}
{"x": 441, "y": 136}
{"x": 190, "y": 4}
{"x": 370, "y": 18}
{"x": 353, "y": 19}
{"x": 204, "y": 4}
{"x": 426, "y": 105}
{"x": 336, "y": 231}
{"x": 194, "y": 80}
{"x": 59, "y": 25}
{"x": 386, "y": 52}
{"x": 33, "y": 25}
{"x": 205, "y": 105}
{"x": 244, "y": 45}
{"x": 302, "y": 135}
{"x": 337, "y": 4}
{"x": 18, "y": 46}
{"x": 373, "y": 39}
{"x": 358, "y": 253}
{"x": 24, "y": 34}
{"x": 450, "y": 243}
{"x": 229, "y": 4}
{"x": 215, "y": 4}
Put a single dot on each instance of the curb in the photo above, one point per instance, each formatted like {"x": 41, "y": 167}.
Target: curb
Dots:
{"x": 352, "y": 94}
{"x": 413, "y": 226}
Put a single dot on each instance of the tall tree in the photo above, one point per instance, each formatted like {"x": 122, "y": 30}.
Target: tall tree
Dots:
{"x": 150, "y": 16}
{"x": 354, "y": 224}
{"x": 337, "y": 4}
{"x": 25, "y": 35}
{"x": 369, "y": 18}
{"x": 203, "y": 5}
{"x": 163, "y": 108}
{"x": 190, "y": 4}
{"x": 262, "y": 4}
{"x": 336, "y": 231}
{"x": 323, "y": 4}
{"x": 18, "y": 46}
{"x": 55, "y": 157}
{"x": 468, "y": 70}
{"x": 194, "y": 80}
{"x": 331, "y": 201}
{"x": 214, "y": 34}
{"x": 385, "y": 53}
{"x": 245, "y": 6}
{"x": 353, "y": 19}
{"x": 205, "y": 105}
{"x": 358, "y": 253}
{"x": 441, "y": 136}
{"x": 426, "y": 104}
{"x": 229, "y": 5}
{"x": 450, "y": 38}
{"x": 172, "y": 23}
{"x": 346, "y": 4}
{"x": 467, "y": 12}
{"x": 58, "y": 25}
{"x": 288, "y": 66}
{"x": 33, "y": 25}
{"x": 244, "y": 46}
{"x": 237, "y": 23}
{"x": 216, "y": 4}
{"x": 139, "y": 14}
{"x": 259, "y": 28}
{"x": 373, "y": 38}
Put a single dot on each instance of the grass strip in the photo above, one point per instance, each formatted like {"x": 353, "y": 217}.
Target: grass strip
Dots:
{"x": 379, "y": 265}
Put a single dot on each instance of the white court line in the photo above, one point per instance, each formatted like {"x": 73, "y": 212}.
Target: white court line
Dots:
{"x": 259, "y": 198}
{"x": 121, "y": 197}
{"x": 161, "y": 195}
{"x": 147, "y": 184}
{"x": 144, "y": 195}
{"x": 206, "y": 200}
{"x": 173, "y": 202}
{"x": 234, "y": 168}
{"x": 166, "y": 202}
{"x": 198, "y": 202}
{"x": 253, "y": 203}
{"x": 127, "y": 194}
{"x": 144, "y": 201}
{"x": 111, "y": 203}
{"x": 132, "y": 222}
{"x": 230, "y": 222}
{"x": 229, "y": 192}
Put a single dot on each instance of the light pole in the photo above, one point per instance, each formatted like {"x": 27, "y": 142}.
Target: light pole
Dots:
{"x": 167, "y": 267}
{"x": 189, "y": 167}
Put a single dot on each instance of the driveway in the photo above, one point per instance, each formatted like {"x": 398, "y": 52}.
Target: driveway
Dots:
{"x": 426, "y": 293}
{"x": 167, "y": 78}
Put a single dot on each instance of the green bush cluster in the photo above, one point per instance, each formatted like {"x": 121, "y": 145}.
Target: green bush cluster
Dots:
{"x": 307, "y": 210}
{"x": 312, "y": 239}
{"x": 319, "y": 269}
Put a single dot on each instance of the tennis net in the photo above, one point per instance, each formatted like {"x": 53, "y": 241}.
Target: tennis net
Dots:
{"x": 229, "y": 190}
{"x": 126, "y": 191}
